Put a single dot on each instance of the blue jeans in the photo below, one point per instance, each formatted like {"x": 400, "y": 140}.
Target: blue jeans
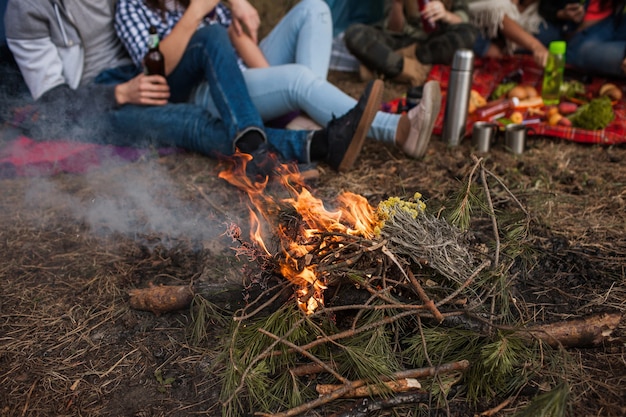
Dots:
{"x": 347, "y": 12}
{"x": 298, "y": 50}
{"x": 599, "y": 48}
{"x": 208, "y": 58}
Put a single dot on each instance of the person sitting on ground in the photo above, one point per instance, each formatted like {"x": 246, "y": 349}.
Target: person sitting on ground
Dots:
{"x": 599, "y": 46}
{"x": 83, "y": 80}
{"x": 562, "y": 17}
{"x": 345, "y": 13}
{"x": 506, "y": 28}
{"x": 285, "y": 73}
{"x": 13, "y": 91}
{"x": 402, "y": 49}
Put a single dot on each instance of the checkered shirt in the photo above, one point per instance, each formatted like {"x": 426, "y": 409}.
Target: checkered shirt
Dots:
{"x": 133, "y": 20}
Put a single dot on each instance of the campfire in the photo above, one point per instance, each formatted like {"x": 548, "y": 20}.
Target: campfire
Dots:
{"x": 314, "y": 247}
{"x": 347, "y": 291}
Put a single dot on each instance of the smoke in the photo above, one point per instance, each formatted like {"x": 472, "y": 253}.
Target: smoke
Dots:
{"x": 136, "y": 200}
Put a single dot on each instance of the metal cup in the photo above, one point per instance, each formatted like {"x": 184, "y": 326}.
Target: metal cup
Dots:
{"x": 483, "y": 135}
{"x": 515, "y": 138}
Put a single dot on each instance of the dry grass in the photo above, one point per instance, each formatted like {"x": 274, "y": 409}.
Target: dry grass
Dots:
{"x": 72, "y": 246}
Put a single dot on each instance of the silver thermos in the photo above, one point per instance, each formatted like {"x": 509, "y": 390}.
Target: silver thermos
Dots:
{"x": 457, "y": 101}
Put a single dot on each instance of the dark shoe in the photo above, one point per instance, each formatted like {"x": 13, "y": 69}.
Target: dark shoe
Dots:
{"x": 347, "y": 134}
{"x": 264, "y": 163}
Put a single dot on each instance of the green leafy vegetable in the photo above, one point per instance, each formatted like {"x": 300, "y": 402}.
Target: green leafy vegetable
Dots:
{"x": 596, "y": 114}
{"x": 572, "y": 88}
{"x": 502, "y": 89}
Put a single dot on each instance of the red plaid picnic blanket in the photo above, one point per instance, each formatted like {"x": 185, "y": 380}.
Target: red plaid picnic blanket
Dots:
{"x": 489, "y": 72}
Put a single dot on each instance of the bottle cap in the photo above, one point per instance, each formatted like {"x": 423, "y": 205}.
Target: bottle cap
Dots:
{"x": 463, "y": 60}
{"x": 557, "y": 47}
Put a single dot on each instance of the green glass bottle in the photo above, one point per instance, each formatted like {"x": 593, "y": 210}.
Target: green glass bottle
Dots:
{"x": 553, "y": 73}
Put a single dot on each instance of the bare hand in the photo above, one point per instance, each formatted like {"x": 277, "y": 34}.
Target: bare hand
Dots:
{"x": 146, "y": 90}
{"x": 434, "y": 11}
{"x": 540, "y": 55}
{"x": 246, "y": 15}
{"x": 201, "y": 8}
{"x": 624, "y": 66}
{"x": 574, "y": 12}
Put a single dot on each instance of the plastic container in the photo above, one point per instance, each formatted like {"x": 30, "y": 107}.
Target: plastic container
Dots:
{"x": 553, "y": 73}
{"x": 457, "y": 102}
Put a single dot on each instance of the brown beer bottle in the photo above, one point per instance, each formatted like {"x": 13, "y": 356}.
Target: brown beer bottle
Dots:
{"x": 154, "y": 61}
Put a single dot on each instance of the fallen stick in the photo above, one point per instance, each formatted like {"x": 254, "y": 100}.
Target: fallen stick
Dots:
{"x": 400, "y": 385}
{"x": 229, "y": 296}
{"x": 340, "y": 392}
{"x": 588, "y": 331}
{"x": 161, "y": 299}
{"x": 366, "y": 406}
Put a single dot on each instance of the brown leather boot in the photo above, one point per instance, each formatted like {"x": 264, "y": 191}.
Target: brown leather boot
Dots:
{"x": 366, "y": 74}
{"x": 407, "y": 51}
{"x": 413, "y": 72}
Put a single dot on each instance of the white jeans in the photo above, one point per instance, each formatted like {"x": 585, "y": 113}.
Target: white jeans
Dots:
{"x": 298, "y": 50}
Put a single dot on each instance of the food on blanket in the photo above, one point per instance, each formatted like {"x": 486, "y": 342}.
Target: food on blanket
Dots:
{"x": 495, "y": 108}
{"x": 516, "y": 117}
{"x": 557, "y": 119}
{"x": 476, "y": 100}
{"x": 529, "y": 103}
{"x": 519, "y": 91}
{"x": 572, "y": 89}
{"x": 554, "y": 118}
{"x": 502, "y": 89}
{"x": 595, "y": 115}
{"x": 523, "y": 92}
{"x": 611, "y": 90}
{"x": 565, "y": 122}
{"x": 567, "y": 108}
{"x": 531, "y": 92}
{"x": 551, "y": 110}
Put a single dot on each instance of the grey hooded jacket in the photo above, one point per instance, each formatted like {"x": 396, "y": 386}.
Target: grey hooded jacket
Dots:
{"x": 46, "y": 40}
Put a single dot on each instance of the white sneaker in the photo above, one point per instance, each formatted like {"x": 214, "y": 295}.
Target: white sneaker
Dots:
{"x": 422, "y": 119}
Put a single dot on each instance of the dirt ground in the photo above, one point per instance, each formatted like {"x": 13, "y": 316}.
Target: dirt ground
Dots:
{"x": 72, "y": 246}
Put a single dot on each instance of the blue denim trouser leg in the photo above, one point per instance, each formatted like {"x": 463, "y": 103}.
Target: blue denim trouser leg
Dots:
{"x": 303, "y": 36}
{"x": 279, "y": 90}
{"x": 599, "y": 48}
{"x": 209, "y": 57}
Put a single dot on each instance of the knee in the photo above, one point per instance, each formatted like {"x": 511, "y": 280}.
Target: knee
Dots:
{"x": 316, "y": 6}
{"x": 212, "y": 36}
{"x": 299, "y": 76}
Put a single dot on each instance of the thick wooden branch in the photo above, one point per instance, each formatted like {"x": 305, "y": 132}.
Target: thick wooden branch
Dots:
{"x": 400, "y": 385}
{"x": 586, "y": 331}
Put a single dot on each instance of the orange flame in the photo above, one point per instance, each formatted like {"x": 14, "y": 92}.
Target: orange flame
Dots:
{"x": 353, "y": 216}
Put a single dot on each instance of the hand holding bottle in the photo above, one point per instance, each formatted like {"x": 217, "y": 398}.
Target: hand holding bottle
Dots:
{"x": 434, "y": 11}
{"x": 147, "y": 90}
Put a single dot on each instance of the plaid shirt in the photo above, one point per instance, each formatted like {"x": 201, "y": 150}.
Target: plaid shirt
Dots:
{"x": 133, "y": 20}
